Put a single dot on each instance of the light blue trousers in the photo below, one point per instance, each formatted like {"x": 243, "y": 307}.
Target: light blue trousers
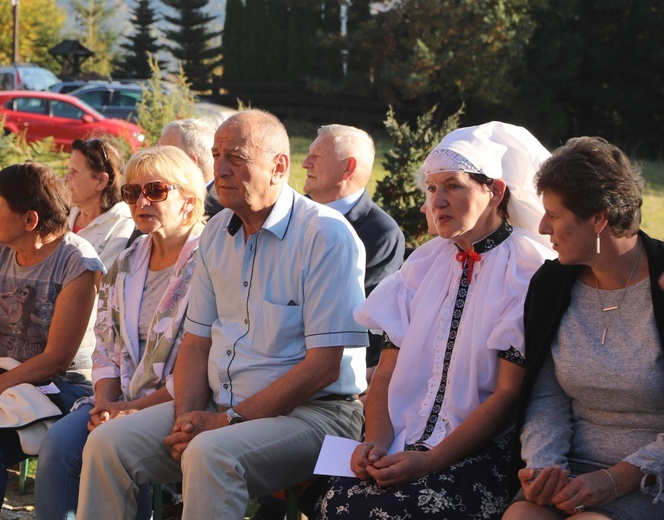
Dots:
{"x": 220, "y": 469}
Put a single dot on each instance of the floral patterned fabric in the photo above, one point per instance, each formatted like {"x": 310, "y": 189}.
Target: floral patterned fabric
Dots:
{"x": 472, "y": 488}
{"x": 116, "y": 355}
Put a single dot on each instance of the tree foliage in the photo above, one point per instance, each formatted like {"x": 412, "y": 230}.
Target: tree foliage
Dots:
{"x": 327, "y": 57}
{"x": 358, "y": 70}
{"x": 255, "y": 44}
{"x": 303, "y": 21}
{"x": 595, "y": 67}
{"x": 15, "y": 149}
{"x": 277, "y": 51}
{"x": 232, "y": 42}
{"x": 160, "y": 105}
{"x": 397, "y": 192}
{"x": 40, "y": 24}
{"x": 140, "y": 44}
{"x": 95, "y": 29}
{"x": 453, "y": 49}
{"x": 193, "y": 41}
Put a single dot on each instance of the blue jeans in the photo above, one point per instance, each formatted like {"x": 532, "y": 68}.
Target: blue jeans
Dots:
{"x": 59, "y": 470}
{"x": 10, "y": 445}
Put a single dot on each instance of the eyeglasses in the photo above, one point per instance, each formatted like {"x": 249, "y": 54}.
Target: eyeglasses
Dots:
{"x": 98, "y": 146}
{"x": 156, "y": 191}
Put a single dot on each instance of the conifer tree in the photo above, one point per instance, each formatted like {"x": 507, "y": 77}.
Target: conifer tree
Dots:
{"x": 303, "y": 22}
{"x": 357, "y": 66}
{"x": 397, "y": 193}
{"x": 256, "y": 42}
{"x": 232, "y": 43}
{"x": 193, "y": 41}
{"x": 135, "y": 63}
{"x": 94, "y": 29}
{"x": 328, "y": 52}
{"x": 278, "y": 34}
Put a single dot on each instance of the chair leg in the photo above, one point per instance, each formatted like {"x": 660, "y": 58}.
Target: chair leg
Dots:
{"x": 23, "y": 475}
{"x": 293, "y": 495}
{"x": 157, "y": 502}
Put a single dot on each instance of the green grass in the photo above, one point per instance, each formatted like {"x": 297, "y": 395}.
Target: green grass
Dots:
{"x": 653, "y": 199}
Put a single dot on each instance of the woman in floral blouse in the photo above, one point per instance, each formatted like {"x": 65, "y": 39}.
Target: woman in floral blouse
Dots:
{"x": 142, "y": 305}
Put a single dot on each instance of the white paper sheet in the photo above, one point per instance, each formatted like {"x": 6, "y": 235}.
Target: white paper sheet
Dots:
{"x": 335, "y": 453}
{"x": 334, "y": 457}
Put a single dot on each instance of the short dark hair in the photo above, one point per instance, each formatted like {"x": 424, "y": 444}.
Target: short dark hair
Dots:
{"x": 482, "y": 179}
{"x": 104, "y": 154}
{"x": 32, "y": 186}
{"x": 591, "y": 175}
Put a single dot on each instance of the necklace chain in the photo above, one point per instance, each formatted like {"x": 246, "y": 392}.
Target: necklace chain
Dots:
{"x": 622, "y": 296}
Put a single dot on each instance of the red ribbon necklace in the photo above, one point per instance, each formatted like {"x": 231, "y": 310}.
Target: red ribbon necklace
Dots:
{"x": 472, "y": 257}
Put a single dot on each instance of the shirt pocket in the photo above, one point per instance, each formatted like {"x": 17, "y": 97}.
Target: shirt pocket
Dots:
{"x": 278, "y": 331}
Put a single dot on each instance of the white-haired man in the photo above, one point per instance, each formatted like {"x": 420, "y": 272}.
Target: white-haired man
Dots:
{"x": 195, "y": 137}
{"x": 339, "y": 166}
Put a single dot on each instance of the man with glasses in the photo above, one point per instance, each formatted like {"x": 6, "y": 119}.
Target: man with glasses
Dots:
{"x": 266, "y": 369}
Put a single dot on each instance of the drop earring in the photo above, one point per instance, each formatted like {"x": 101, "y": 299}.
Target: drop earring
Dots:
{"x": 597, "y": 244}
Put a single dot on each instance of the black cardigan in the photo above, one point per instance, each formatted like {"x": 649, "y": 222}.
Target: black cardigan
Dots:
{"x": 549, "y": 295}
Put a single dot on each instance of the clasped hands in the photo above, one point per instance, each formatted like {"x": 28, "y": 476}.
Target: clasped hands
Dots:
{"x": 103, "y": 412}
{"x": 371, "y": 462}
{"x": 553, "y": 486}
{"x": 188, "y": 425}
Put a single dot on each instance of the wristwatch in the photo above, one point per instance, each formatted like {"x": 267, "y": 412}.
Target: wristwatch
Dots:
{"x": 234, "y": 417}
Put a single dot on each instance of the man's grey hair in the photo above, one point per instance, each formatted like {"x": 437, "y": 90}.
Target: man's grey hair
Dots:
{"x": 352, "y": 142}
{"x": 196, "y": 137}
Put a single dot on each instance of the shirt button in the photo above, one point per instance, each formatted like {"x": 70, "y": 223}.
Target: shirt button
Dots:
{"x": 228, "y": 352}
{"x": 246, "y": 283}
{"x": 246, "y": 321}
{"x": 225, "y": 385}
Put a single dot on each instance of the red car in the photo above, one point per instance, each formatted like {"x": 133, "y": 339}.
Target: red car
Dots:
{"x": 63, "y": 117}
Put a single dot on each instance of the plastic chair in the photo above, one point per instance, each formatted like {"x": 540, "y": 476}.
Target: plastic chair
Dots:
{"x": 23, "y": 474}
{"x": 157, "y": 510}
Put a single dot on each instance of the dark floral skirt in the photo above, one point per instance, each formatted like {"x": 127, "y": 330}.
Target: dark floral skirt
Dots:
{"x": 475, "y": 487}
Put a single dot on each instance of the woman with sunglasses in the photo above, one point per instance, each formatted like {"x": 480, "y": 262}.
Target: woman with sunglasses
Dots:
{"x": 99, "y": 216}
{"x": 142, "y": 304}
{"x": 48, "y": 284}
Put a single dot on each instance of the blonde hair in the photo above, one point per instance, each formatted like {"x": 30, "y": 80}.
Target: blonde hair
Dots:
{"x": 174, "y": 167}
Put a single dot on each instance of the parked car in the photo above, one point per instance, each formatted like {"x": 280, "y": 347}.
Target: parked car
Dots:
{"x": 121, "y": 100}
{"x": 216, "y": 114}
{"x": 111, "y": 99}
{"x": 63, "y": 117}
{"x": 66, "y": 87}
{"x": 26, "y": 76}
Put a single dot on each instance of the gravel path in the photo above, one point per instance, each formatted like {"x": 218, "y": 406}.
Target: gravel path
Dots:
{"x": 17, "y": 506}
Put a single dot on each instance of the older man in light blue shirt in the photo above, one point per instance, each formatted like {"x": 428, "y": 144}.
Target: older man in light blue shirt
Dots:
{"x": 270, "y": 337}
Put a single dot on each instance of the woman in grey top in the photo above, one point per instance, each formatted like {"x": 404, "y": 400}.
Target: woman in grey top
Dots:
{"x": 592, "y": 413}
{"x": 48, "y": 283}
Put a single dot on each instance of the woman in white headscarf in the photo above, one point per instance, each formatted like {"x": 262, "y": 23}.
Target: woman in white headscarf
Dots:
{"x": 438, "y": 416}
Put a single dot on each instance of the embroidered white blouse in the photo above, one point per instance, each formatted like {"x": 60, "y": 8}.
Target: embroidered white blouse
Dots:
{"x": 416, "y": 307}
